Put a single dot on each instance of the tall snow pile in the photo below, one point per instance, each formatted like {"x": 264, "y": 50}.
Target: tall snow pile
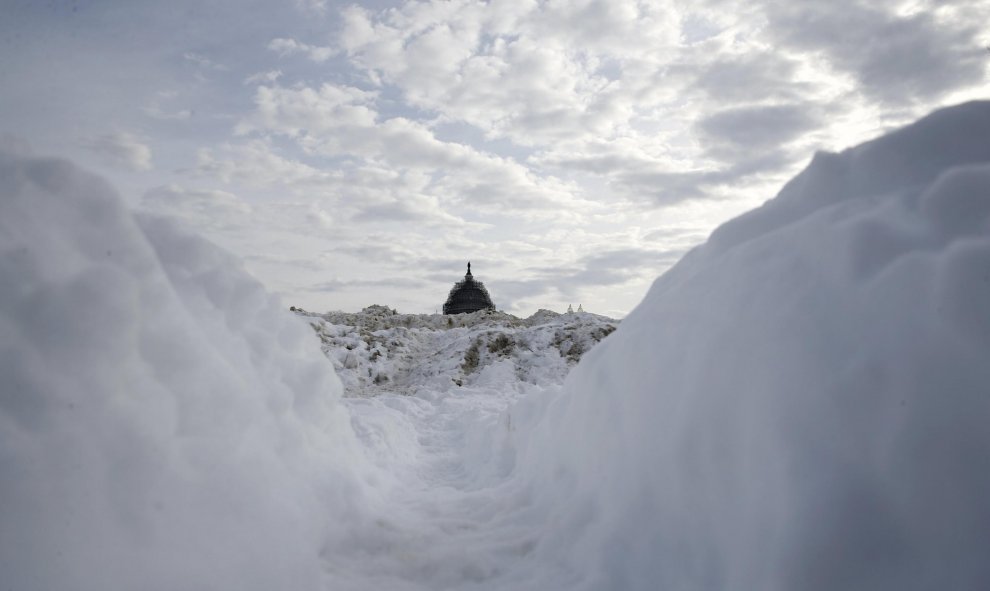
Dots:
{"x": 163, "y": 423}
{"x": 803, "y": 402}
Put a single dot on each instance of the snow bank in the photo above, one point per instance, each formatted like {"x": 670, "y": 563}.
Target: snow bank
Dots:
{"x": 803, "y": 402}
{"x": 163, "y": 423}
{"x": 378, "y": 351}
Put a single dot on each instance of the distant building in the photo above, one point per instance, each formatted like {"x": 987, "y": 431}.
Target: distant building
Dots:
{"x": 468, "y": 296}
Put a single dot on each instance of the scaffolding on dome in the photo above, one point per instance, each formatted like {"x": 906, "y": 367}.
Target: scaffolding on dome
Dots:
{"x": 468, "y": 296}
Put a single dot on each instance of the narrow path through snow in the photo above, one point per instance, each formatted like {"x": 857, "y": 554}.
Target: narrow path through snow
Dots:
{"x": 456, "y": 517}
{"x": 436, "y": 401}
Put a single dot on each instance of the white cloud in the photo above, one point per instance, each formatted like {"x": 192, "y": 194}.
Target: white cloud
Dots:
{"x": 533, "y": 73}
{"x": 286, "y": 46}
{"x": 121, "y": 150}
{"x": 341, "y": 121}
{"x": 257, "y": 163}
{"x": 305, "y": 111}
{"x": 203, "y": 61}
{"x": 665, "y": 101}
{"x": 366, "y": 194}
{"x": 268, "y": 77}
{"x": 159, "y": 107}
{"x": 206, "y": 209}
{"x": 317, "y": 7}
{"x": 156, "y": 112}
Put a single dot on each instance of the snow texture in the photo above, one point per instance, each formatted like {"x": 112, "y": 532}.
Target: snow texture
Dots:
{"x": 380, "y": 351}
{"x": 803, "y": 401}
{"x": 163, "y": 423}
{"x": 800, "y": 403}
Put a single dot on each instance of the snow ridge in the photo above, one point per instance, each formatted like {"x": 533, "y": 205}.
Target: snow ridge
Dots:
{"x": 164, "y": 423}
{"x": 380, "y": 351}
{"x": 813, "y": 413}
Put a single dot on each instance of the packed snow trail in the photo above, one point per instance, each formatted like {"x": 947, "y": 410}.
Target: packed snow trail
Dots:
{"x": 800, "y": 403}
{"x": 444, "y": 430}
{"x": 447, "y": 525}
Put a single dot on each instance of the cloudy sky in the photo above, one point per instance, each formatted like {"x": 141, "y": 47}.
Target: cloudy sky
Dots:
{"x": 571, "y": 149}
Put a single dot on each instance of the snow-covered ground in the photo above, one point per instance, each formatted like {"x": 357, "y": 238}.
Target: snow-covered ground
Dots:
{"x": 801, "y": 403}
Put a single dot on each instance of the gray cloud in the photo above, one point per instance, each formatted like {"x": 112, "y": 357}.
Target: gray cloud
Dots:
{"x": 377, "y": 248}
{"x": 666, "y": 188}
{"x": 121, "y": 150}
{"x": 656, "y": 182}
{"x": 759, "y": 127}
{"x": 203, "y": 208}
{"x": 585, "y": 276}
{"x": 895, "y": 59}
{"x": 609, "y": 269}
{"x": 305, "y": 264}
{"x": 406, "y": 210}
{"x": 382, "y": 285}
{"x": 759, "y": 76}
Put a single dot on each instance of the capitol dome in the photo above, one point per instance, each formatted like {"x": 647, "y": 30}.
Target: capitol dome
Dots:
{"x": 468, "y": 296}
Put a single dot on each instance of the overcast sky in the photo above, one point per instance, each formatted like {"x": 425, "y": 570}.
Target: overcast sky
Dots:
{"x": 573, "y": 150}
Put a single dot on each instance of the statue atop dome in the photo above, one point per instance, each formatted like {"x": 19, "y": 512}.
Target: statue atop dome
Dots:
{"x": 468, "y": 296}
